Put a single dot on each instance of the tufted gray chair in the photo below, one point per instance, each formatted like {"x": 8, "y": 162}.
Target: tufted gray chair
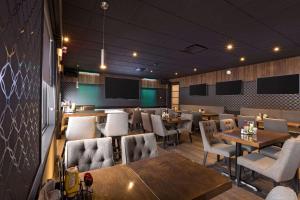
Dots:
{"x": 226, "y": 116}
{"x": 282, "y": 193}
{"x": 160, "y": 129}
{"x": 186, "y": 127}
{"x": 80, "y": 128}
{"x": 138, "y": 147}
{"x": 277, "y": 125}
{"x": 243, "y": 118}
{"x": 147, "y": 125}
{"x": 213, "y": 145}
{"x": 89, "y": 154}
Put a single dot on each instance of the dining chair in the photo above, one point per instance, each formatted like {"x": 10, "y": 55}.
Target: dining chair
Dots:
{"x": 81, "y": 128}
{"x": 197, "y": 117}
{"x": 160, "y": 129}
{"x": 226, "y": 116}
{"x": 147, "y": 125}
{"x": 135, "y": 119}
{"x": 186, "y": 127}
{"x": 285, "y": 168}
{"x": 89, "y": 154}
{"x": 282, "y": 193}
{"x": 276, "y": 125}
{"x": 243, "y": 118}
{"x": 213, "y": 145}
{"x": 138, "y": 147}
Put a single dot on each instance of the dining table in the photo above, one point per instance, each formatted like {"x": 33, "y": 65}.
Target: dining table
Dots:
{"x": 168, "y": 176}
{"x": 209, "y": 115}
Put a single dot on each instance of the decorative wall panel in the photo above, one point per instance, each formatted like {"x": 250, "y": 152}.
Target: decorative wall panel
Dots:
{"x": 20, "y": 82}
{"x": 250, "y": 99}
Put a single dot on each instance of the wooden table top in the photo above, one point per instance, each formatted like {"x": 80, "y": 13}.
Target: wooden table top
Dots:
{"x": 262, "y": 138}
{"x": 172, "y": 176}
{"x": 175, "y": 120}
{"x": 208, "y": 114}
{"x": 85, "y": 113}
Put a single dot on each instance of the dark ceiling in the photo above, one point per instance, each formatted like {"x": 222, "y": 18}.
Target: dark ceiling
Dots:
{"x": 160, "y": 30}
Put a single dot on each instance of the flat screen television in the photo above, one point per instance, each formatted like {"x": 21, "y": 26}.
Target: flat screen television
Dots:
{"x": 117, "y": 88}
{"x": 200, "y": 89}
{"x": 229, "y": 87}
{"x": 288, "y": 84}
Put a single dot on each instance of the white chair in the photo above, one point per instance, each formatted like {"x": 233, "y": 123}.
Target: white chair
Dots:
{"x": 147, "y": 125}
{"x": 213, "y": 145}
{"x": 282, "y": 193}
{"x": 186, "y": 127}
{"x": 89, "y": 154}
{"x": 277, "y": 125}
{"x": 160, "y": 129}
{"x": 116, "y": 125}
{"x": 81, "y": 128}
{"x": 138, "y": 147}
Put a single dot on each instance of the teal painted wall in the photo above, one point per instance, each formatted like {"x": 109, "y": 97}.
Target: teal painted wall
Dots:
{"x": 148, "y": 97}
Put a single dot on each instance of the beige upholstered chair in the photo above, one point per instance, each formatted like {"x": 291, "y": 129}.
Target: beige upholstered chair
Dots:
{"x": 277, "y": 125}
{"x": 135, "y": 119}
{"x": 138, "y": 147}
{"x": 116, "y": 125}
{"x": 280, "y": 170}
{"x": 242, "y": 119}
{"x": 212, "y": 145}
{"x": 147, "y": 125}
{"x": 226, "y": 116}
{"x": 81, "y": 128}
{"x": 187, "y": 126}
{"x": 89, "y": 154}
{"x": 160, "y": 129}
{"x": 282, "y": 193}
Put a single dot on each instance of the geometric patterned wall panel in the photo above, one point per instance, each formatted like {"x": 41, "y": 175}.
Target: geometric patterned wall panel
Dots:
{"x": 249, "y": 99}
{"x": 20, "y": 83}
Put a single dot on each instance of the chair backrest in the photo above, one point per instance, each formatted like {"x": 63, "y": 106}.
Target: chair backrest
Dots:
{"x": 147, "y": 125}
{"x": 242, "y": 119}
{"x": 288, "y": 162}
{"x": 207, "y": 129}
{"x": 116, "y": 124}
{"x": 279, "y": 125}
{"x": 158, "y": 125}
{"x": 150, "y": 112}
{"x": 227, "y": 124}
{"x": 136, "y": 117}
{"x": 138, "y": 147}
{"x": 89, "y": 154}
{"x": 187, "y": 125}
{"x": 226, "y": 116}
{"x": 282, "y": 193}
{"x": 81, "y": 128}
{"x": 197, "y": 116}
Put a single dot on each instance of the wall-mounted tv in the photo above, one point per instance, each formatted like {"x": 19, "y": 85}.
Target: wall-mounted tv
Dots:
{"x": 117, "y": 88}
{"x": 288, "y": 84}
{"x": 200, "y": 89}
{"x": 229, "y": 87}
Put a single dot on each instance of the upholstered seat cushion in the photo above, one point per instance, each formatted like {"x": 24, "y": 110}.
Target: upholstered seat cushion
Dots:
{"x": 272, "y": 151}
{"x": 89, "y": 154}
{"x": 223, "y": 149}
{"x": 171, "y": 132}
{"x": 138, "y": 147}
{"x": 256, "y": 162}
{"x": 282, "y": 193}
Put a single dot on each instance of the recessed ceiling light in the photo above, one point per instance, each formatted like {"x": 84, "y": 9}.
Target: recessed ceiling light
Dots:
{"x": 176, "y": 73}
{"x": 103, "y": 67}
{"x": 228, "y": 72}
{"x": 134, "y": 54}
{"x": 195, "y": 69}
{"x": 242, "y": 59}
{"x": 151, "y": 71}
{"x": 229, "y": 46}
{"x": 66, "y": 39}
{"x": 276, "y": 49}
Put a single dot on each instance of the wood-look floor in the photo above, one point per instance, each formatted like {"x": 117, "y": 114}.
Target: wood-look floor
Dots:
{"x": 194, "y": 152}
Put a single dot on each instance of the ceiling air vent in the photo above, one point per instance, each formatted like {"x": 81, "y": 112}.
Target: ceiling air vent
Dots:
{"x": 194, "y": 49}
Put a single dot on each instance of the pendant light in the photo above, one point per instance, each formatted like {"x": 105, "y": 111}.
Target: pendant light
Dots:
{"x": 104, "y": 7}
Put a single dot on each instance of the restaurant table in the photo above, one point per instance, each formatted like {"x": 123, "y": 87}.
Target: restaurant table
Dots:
{"x": 209, "y": 116}
{"x": 262, "y": 139}
{"x": 174, "y": 121}
{"x": 260, "y": 124}
{"x": 168, "y": 176}
{"x": 66, "y": 115}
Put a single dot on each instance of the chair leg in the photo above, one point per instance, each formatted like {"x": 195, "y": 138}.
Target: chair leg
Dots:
{"x": 296, "y": 182}
{"x": 205, "y": 158}
{"x": 253, "y": 174}
{"x": 191, "y": 139}
{"x": 238, "y": 178}
{"x": 229, "y": 166}
{"x": 164, "y": 142}
{"x": 218, "y": 158}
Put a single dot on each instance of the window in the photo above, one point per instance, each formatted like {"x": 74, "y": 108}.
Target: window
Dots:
{"x": 175, "y": 96}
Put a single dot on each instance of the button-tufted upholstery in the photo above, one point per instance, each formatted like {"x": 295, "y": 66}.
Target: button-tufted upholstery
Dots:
{"x": 89, "y": 154}
{"x": 242, "y": 119}
{"x": 282, "y": 193}
{"x": 116, "y": 125}
{"x": 138, "y": 147}
{"x": 147, "y": 125}
{"x": 80, "y": 128}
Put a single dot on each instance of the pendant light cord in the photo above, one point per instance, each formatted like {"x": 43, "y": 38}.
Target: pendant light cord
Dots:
{"x": 103, "y": 27}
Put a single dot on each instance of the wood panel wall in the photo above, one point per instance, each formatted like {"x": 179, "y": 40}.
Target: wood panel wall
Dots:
{"x": 91, "y": 78}
{"x": 246, "y": 73}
